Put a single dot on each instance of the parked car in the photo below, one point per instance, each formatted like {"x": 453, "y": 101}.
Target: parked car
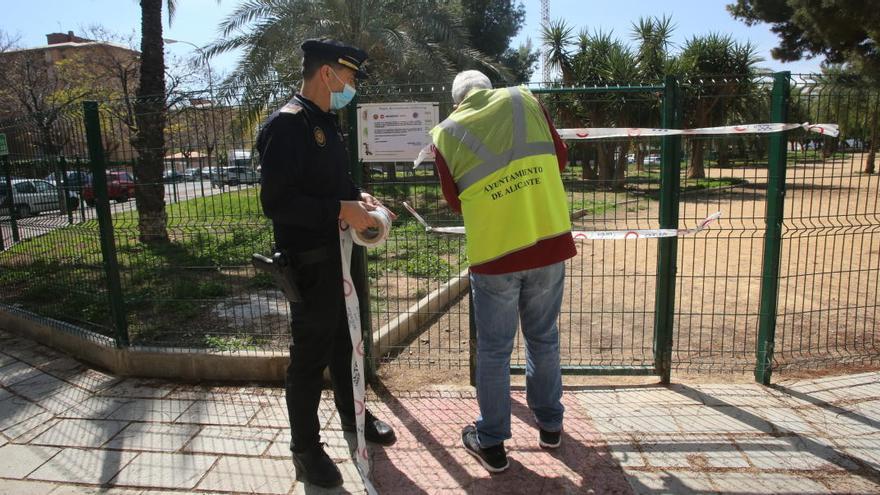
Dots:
{"x": 31, "y": 197}
{"x": 196, "y": 173}
{"x": 120, "y": 187}
{"x": 233, "y": 176}
{"x": 170, "y": 176}
{"x": 651, "y": 160}
{"x": 238, "y": 158}
{"x": 75, "y": 178}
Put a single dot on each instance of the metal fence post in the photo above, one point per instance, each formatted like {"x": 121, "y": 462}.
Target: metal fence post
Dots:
{"x": 667, "y": 252}
{"x": 105, "y": 221}
{"x": 65, "y": 186}
{"x": 776, "y": 167}
{"x": 13, "y": 221}
{"x": 9, "y": 193}
{"x": 79, "y": 190}
{"x": 359, "y": 273}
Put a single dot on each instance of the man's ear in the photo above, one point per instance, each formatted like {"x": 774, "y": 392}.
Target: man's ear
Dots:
{"x": 324, "y": 74}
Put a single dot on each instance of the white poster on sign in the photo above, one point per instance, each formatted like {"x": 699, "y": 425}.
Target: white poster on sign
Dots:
{"x": 394, "y": 132}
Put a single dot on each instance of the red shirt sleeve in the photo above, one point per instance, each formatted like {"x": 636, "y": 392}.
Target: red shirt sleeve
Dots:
{"x": 561, "y": 148}
{"x": 450, "y": 190}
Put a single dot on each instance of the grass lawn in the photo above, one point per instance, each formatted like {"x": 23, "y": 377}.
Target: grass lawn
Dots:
{"x": 172, "y": 291}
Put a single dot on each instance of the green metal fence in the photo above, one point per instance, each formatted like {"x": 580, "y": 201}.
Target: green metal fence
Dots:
{"x": 787, "y": 279}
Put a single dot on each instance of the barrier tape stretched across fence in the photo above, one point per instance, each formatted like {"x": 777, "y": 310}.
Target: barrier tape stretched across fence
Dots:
{"x": 589, "y": 133}
{"x": 590, "y": 235}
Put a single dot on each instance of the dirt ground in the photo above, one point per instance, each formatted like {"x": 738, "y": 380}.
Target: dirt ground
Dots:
{"x": 828, "y": 295}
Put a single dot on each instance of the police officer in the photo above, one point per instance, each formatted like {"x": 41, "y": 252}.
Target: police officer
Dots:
{"x": 306, "y": 191}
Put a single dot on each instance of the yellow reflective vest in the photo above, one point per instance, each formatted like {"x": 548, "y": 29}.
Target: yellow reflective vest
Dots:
{"x": 501, "y": 156}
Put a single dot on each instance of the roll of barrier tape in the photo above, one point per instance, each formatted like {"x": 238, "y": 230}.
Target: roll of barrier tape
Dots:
{"x": 374, "y": 236}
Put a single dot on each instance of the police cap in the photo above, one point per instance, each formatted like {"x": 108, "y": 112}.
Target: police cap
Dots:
{"x": 336, "y": 51}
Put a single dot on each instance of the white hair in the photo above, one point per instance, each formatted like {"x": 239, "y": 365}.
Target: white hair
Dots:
{"x": 467, "y": 81}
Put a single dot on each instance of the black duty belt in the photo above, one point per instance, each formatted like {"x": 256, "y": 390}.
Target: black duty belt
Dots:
{"x": 310, "y": 257}
{"x": 283, "y": 265}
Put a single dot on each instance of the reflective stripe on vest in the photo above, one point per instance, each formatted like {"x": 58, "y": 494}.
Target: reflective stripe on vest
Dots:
{"x": 511, "y": 191}
{"x": 493, "y": 162}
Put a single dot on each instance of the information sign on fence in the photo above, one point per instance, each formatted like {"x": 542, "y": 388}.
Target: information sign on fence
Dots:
{"x": 394, "y": 132}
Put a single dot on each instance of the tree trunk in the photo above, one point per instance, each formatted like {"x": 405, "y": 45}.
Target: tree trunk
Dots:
{"x": 723, "y": 153}
{"x": 620, "y": 168}
{"x": 742, "y": 150}
{"x": 829, "y": 146}
{"x": 60, "y": 169}
{"x": 696, "y": 170}
{"x": 872, "y": 144}
{"x": 605, "y": 163}
{"x": 150, "y": 138}
{"x": 641, "y": 152}
{"x": 587, "y": 154}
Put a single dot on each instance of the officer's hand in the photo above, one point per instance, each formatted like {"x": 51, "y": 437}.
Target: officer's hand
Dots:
{"x": 370, "y": 200}
{"x": 356, "y": 214}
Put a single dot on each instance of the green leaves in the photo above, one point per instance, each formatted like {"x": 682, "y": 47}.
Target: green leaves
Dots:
{"x": 407, "y": 41}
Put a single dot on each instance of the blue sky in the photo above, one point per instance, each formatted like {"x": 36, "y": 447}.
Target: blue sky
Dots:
{"x": 196, "y": 21}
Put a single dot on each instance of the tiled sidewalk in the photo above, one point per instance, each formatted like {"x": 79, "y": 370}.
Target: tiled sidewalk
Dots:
{"x": 65, "y": 428}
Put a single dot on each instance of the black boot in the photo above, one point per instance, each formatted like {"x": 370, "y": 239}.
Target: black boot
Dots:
{"x": 315, "y": 466}
{"x": 375, "y": 430}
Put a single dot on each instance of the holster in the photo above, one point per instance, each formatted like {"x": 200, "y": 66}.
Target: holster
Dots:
{"x": 284, "y": 265}
{"x": 283, "y": 272}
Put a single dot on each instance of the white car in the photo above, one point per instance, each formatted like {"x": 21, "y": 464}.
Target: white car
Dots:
{"x": 33, "y": 196}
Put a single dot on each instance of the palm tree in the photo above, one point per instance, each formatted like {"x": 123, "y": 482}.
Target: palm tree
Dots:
{"x": 149, "y": 140}
{"x": 558, "y": 37}
{"x": 408, "y": 40}
{"x": 715, "y": 68}
{"x": 150, "y": 115}
{"x": 594, "y": 59}
{"x": 605, "y": 60}
{"x": 653, "y": 36}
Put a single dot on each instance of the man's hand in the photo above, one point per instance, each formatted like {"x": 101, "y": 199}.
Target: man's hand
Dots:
{"x": 356, "y": 214}
{"x": 370, "y": 200}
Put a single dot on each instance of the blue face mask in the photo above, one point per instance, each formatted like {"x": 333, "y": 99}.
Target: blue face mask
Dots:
{"x": 339, "y": 99}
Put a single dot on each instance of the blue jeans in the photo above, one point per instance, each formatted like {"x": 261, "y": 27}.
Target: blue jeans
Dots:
{"x": 533, "y": 297}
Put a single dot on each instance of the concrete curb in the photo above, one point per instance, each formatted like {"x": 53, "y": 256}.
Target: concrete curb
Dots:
{"x": 399, "y": 329}
{"x": 200, "y": 364}
{"x": 153, "y": 362}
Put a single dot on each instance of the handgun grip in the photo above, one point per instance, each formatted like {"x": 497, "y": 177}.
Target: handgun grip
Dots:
{"x": 261, "y": 262}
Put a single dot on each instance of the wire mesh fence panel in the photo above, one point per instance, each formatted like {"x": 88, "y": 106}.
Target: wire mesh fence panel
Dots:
{"x": 195, "y": 287}
{"x": 830, "y": 262}
{"x": 52, "y": 263}
{"x": 719, "y": 271}
{"x": 186, "y": 221}
{"x": 607, "y": 316}
{"x": 419, "y": 314}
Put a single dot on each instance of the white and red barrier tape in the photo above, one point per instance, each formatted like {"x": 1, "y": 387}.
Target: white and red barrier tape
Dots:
{"x": 591, "y": 235}
{"x": 621, "y": 132}
{"x": 358, "y": 377}
{"x": 588, "y": 133}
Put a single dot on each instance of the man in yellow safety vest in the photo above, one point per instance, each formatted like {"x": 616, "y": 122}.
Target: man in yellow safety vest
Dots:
{"x": 499, "y": 160}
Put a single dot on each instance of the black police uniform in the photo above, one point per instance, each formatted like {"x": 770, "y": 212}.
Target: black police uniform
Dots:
{"x": 304, "y": 177}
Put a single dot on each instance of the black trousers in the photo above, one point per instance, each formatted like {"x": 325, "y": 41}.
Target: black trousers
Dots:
{"x": 320, "y": 338}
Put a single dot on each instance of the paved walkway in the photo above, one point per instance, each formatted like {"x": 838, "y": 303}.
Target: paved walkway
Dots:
{"x": 68, "y": 429}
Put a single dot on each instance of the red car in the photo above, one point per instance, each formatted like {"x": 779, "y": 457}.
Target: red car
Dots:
{"x": 120, "y": 188}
